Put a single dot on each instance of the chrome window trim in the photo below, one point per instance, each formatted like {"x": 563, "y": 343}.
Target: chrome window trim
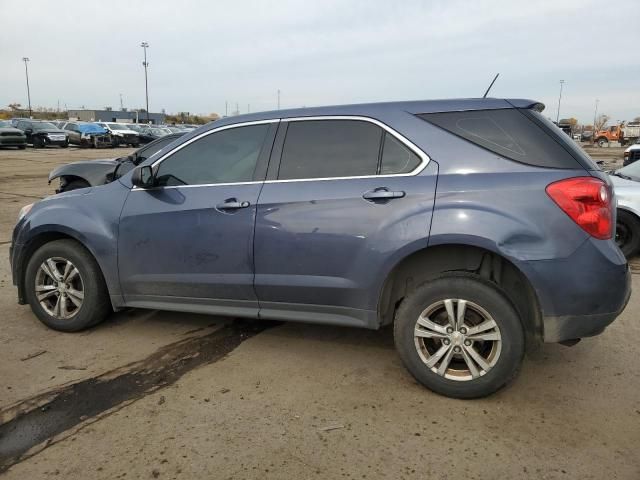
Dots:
{"x": 198, "y": 137}
{"x": 406, "y": 142}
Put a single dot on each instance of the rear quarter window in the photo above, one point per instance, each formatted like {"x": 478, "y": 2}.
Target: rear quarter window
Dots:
{"x": 510, "y": 133}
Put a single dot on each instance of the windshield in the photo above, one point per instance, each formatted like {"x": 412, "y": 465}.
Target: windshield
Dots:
{"x": 44, "y": 126}
{"x": 631, "y": 171}
{"x": 115, "y": 126}
{"x": 5, "y": 123}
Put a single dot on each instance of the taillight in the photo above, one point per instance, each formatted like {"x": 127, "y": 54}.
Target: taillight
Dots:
{"x": 587, "y": 200}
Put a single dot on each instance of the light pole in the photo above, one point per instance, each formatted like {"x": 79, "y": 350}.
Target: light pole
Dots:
{"x": 595, "y": 115}
{"x": 278, "y": 99}
{"x": 559, "y": 99}
{"x": 26, "y": 71}
{"x": 145, "y": 45}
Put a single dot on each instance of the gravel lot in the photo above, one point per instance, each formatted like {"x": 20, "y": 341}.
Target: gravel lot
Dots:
{"x": 207, "y": 397}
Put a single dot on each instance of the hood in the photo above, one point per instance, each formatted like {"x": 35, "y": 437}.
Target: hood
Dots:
{"x": 17, "y": 131}
{"x": 635, "y": 146}
{"x": 95, "y": 130}
{"x": 623, "y": 182}
{"x": 93, "y": 171}
{"x": 49, "y": 130}
{"x": 128, "y": 132}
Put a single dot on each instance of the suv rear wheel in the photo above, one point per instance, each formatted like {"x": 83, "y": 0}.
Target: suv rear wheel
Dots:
{"x": 459, "y": 336}
{"x": 65, "y": 288}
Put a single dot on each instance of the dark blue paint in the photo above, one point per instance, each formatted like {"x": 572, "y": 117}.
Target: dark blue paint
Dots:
{"x": 316, "y": 250}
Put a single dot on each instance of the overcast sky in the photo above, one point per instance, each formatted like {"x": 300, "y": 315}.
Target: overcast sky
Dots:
{"x": 86, "y": 53}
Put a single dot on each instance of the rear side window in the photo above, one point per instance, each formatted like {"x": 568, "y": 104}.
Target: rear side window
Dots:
{"x": 396, "y": 157}
{"x": 329, "y": 149}
{"x": 508, "y": 132}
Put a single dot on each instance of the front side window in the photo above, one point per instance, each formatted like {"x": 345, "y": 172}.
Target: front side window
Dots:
{"x": 227, "y": 156}
{"x": 329, "y": 149}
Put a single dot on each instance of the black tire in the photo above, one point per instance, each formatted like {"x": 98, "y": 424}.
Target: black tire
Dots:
{"x": 115, "y": 143}
{"x": 64, "y": 145}
{"x": 488, "y": 297}
{"x": 22, "y": 147}
{"x": 627, "y": 233}
{"x": 602, "y": 142}
{"x": 95, "y": 306}
{"x": 38, "y": 142}
{"x": 74, "y": 185}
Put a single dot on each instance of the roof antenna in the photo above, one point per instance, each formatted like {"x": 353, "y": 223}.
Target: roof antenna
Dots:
{"x": 494, "y": 81}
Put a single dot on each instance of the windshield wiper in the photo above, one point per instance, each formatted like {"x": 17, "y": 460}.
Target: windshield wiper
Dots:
{"x": 622, "y": 175}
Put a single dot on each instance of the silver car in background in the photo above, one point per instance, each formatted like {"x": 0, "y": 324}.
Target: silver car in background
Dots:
{"x": 626, "y": 183}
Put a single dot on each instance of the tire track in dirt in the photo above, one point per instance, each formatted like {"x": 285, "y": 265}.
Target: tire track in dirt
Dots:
{"x": 43, "y": 420}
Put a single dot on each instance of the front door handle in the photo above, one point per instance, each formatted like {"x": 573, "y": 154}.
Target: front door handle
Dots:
{"x": 232, "y": 204}
{"x": 382, "y": 194}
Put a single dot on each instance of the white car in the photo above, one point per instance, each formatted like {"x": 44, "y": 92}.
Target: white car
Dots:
{"x": 121, "y": 134}
{"x": 626, "y": 183}
{"x": 631, "y": 154}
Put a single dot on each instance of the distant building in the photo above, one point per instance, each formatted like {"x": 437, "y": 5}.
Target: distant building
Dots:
{"x": 122, "y": 116}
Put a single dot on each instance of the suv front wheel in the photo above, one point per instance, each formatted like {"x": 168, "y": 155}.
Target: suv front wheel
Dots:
{"x": 65, "y": 288}
{"x": 459, "y": 336}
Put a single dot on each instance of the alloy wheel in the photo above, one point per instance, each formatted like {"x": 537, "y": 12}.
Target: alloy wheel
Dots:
{"x": 457, "y": 339}
{"x": 59, "y": 288}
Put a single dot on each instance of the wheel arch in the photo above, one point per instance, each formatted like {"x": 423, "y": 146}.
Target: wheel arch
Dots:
{"x": 428, "y": 263}
{"x": 39, "y": 239}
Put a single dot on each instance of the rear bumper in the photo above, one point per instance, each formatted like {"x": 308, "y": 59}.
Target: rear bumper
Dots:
{"x": 572, "y": 327}
{"x": 581, "y": 294}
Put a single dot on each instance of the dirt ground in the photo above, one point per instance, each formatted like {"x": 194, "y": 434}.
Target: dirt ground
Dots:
{"x": 195, "y": 396}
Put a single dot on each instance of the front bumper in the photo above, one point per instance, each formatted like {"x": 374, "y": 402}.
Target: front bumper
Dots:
{"x": 15, "y": 261}
{"x": 6, "y": 141}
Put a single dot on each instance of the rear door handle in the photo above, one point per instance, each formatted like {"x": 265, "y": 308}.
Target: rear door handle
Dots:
{"x": 232, "y": 204}
{"x": 382, "y": 194}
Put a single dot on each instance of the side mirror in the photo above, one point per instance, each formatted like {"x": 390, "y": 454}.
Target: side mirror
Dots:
{"x": 28, "y": 131}
{"x": 142, "y": 177}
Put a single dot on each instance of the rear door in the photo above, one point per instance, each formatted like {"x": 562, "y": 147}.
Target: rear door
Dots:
{"x": 344, "y": 198}
{"x": 74, "y": 133}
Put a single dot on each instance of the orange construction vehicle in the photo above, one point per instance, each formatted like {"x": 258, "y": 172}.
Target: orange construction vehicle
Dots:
{"x": 625, "y": 134}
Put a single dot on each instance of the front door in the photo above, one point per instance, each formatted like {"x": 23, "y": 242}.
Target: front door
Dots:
{"x": 187, "y": 243}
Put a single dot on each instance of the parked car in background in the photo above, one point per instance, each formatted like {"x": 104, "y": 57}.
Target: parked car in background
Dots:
{"x": 149, "y": 134}
{"x": 88, "y": 173}
{"x": 136, "y": 127}
{"x": 11, "y": 136}
{"x": 87, "y": 134}
{"x": 470, "y": 225}
{"x": 631, "y": 154}
{"x": 586, "y": 136}
{"x": 41, "y": 134}
{"x": 626, "y": 183}
{"x": 174, "y": 129}
{"x": 14, "y": 121}
{"x": 121, "y": 134}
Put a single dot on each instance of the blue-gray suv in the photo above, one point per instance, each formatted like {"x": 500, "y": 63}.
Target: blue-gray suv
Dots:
{"x": 472, "y": 226}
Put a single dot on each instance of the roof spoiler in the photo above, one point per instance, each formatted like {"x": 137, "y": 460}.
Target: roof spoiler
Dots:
{"x": 526, "y": 104}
